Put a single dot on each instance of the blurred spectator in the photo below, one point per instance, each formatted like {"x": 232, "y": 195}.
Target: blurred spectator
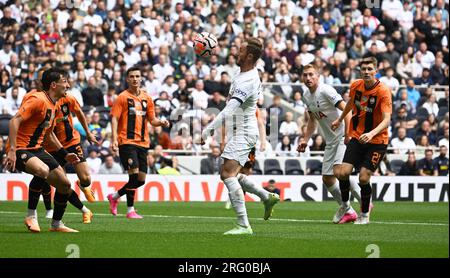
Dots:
{"x": 409, "y": 168}
{"x": 404, "y": 102}
{"x": 217, "y": 102}
{"x": 110, "y": 166}
{"x": 92, "y": 95}
{"x": 431, "y": 105}
{"x": 441, "y": 161}
{"x": 285, "y": 147}
{"x": 211, "y": 165}
{"x": 318, "y": 144}
{"x": 271, "y": 187}
{"x": 167, "y": 168}
{"x": 93, "y": 160}
{"x": 427, "y": 166}
{"x": 413, "y": 94}
{"x": 298, "y": 103}
{"x": 384, "y": 168}
{"x": 288, "y": 126}
{"x": 425, "y": 130}
{"x": 391, "y": 81}
{"x": 422, "y": 144}
{"x": 401, "y": 143}
{"x": 444, "y": 140}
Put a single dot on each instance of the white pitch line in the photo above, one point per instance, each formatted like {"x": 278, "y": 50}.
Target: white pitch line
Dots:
{"x": 253, "y": 219}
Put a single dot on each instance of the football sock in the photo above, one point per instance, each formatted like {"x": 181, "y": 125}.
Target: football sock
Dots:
{"x": 32, "y": 212}
{"x": 132, "y": 181}
{"x": 130, "y": 196}
{"x": 354, "y": 188}
{"x": 34, "y": 192}
{"x": 75, "y": 200}
{"x": 130, "y": 209}
{"x": 237, "y": 200}
{"x": 60, "y": 201}
{"x": 344, "y": 185}
{"x": 335, "y": 192}
{"x": 366, "y": 194}
{"x": 84, "y": 209}
{"x": 47, "y": 195}
{"x": 116, "y": 195}
{"x": 249, "y": 186}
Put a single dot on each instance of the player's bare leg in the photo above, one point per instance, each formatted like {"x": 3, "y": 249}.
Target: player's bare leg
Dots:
{"x": 228, "y": 174}
{"x": 84, "y": 180}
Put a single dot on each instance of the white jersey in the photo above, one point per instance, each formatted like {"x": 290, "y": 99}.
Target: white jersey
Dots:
{"x": 322, "y": 105}
{"x": 245, "y": 88}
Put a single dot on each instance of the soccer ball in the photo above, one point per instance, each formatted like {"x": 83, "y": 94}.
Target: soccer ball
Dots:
{"x": 204, "y": 44}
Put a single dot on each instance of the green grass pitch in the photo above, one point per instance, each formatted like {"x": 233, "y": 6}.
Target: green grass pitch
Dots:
{"x": 194, "y": 229}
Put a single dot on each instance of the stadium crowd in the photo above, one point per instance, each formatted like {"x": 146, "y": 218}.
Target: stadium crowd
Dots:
{"x": 95, "y": 41}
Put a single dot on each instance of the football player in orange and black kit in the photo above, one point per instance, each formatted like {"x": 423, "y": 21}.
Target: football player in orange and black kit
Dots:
{"x": 27, "y": 129}
{"x": 131, "y": 113}
{"x": 371, "y": 103}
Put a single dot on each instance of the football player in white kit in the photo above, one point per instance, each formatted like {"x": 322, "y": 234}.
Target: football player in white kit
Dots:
{"x": 242, "y": 134}
{"x": 324, "y": 105}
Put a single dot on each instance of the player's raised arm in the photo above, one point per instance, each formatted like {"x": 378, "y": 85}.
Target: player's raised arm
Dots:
{"x": 232, "y": 105}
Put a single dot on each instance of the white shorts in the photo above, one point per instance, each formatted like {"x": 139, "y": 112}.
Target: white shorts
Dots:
{"x": 238, "y": 148}
{"x": 333, "y": 155}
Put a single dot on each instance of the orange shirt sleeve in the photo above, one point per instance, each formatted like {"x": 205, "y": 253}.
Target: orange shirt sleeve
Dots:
{"x": 117, "y": 107}
{"x": 30, "y": 106}
{"x": 386, "y": 101}
{"x": 150, "y": 109}
{"x": 74, "y": 106}
{"x": 353, "y": 87}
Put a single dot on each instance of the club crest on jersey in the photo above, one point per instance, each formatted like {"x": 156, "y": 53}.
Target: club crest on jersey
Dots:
{"x": 23, "y": 156}
{"x": 64, "y": 109}
{"x": 130, "y": 161}
{"x": 144, "y": 104}
{"x": 372, "y": 100}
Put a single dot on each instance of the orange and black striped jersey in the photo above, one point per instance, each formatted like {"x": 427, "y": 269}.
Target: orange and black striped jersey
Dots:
{"x": 369, "y": 104}
{"x": 133, "y": 113}
{"x": 64, "y": 130}
{"x": 38, "y": 113}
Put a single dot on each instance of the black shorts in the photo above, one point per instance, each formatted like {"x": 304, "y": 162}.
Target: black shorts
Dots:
{"x": 76, "y": 149}
{"x": 132, "y": 156}
{"x": 360, "y": 155}
{"x": 22, "y": 157}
